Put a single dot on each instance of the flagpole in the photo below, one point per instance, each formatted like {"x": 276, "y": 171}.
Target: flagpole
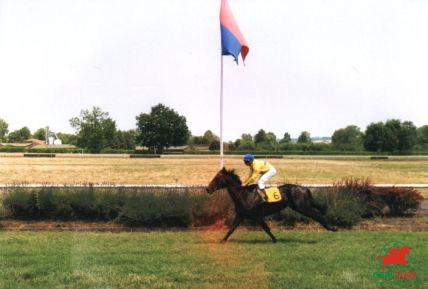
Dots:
{"x": 221, "y": 114}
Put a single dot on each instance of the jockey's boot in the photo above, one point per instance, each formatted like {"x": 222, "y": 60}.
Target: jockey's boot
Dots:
{"x": 262, "y": 193}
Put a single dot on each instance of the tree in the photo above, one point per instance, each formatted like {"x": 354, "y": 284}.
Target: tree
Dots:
{"x": 125, "y": 140}
{"x": 271, "y": 140}
{"x": 304, "y": 137}
{"x": 95, "y": 129}
{"x": 246, "y": 142}
{"x": 214, "y": 145}
{"x": 374, "y": 138}
{"x": 67, "y": 138}
{"x": 286, "y": 139}
{"x": 260, "y": 137}
{"x": 233, "y": 145}
{"x": 349, "y": 137}
{"x": 392, "y": 136}
{"x": 265, "y": 141}
{"x": 407, "y": 136}
{"x": 210, "y": 137}
{"x": 196, "y": 140}
{"x": 3, "y": 129}
{"x": 391, "y": 141}
{"x": 422, "y": 133}
{"x": 40, "y": 134}
{"x": 162, "y": 128}
{"x": 19, "y": 135}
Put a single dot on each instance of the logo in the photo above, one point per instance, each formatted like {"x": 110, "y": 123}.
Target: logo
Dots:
{"x": 394, "y": 265}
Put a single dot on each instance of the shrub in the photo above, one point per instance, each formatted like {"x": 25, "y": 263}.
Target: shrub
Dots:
{"x": 348, "y": 201}
{"x": 19, "y": 203}
{"x": 344, "y": 209}
{"x": 210, "y": 209}
{"x": 150, "y": 207}
{"x": 154, "y": 209}
{"x": 381, "y": 201}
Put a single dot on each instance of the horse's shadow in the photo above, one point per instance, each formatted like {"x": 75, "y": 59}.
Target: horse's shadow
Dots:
{"x": 278, "y": 241}
{"x": 259, "y": 241}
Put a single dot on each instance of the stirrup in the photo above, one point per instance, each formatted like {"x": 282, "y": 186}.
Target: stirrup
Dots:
{"x": 262, "y": 194}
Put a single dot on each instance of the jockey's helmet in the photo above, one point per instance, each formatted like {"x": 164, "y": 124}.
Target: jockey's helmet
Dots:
{"x": 248, "y": 159}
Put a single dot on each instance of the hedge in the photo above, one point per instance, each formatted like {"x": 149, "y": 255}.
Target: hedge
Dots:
{"x": 348, "y": 202}
{"x": 149, "y": 207}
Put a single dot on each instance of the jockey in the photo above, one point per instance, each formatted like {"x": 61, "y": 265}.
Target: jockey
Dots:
{"x": 261, "y": 172}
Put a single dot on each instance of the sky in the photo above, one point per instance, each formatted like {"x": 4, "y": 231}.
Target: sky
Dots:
{"x": 313, "y": 65}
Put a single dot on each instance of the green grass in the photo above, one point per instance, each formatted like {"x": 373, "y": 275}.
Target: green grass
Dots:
{"x": 194, "y": 259}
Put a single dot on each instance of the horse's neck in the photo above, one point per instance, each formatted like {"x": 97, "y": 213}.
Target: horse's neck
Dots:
{"x": 235, "y": 190}
{"x": 235, "y": 193}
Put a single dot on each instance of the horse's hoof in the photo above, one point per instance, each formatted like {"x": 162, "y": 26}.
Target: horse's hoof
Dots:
{"x": 274, "y": 240}
{"x": 222, "y": 242}
{"x": 333, "y": 229}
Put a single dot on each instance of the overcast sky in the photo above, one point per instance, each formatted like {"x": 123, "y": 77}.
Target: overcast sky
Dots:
{"x": 313, "y": 65}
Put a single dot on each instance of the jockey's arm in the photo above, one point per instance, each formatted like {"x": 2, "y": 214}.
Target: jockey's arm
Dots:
{"x": 252, "y": 178}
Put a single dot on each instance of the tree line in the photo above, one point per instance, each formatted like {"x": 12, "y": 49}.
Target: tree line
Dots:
{"x": 163, "y": 127}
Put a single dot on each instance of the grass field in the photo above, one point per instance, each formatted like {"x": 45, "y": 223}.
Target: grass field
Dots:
{"x": 194, "y": 259}
{"x": 201, "y": 170}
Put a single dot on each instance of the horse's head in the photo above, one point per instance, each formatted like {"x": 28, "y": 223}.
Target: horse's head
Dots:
{"x": 405, "y": 250}
{"x": 223, "y": 179}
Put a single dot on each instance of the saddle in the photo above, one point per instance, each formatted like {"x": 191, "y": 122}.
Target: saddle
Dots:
{"x": 253, "y": 196}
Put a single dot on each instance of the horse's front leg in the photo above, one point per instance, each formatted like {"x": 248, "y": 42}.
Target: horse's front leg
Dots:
{"x": 266, "y": 228}
{"x": 235, "y": 225}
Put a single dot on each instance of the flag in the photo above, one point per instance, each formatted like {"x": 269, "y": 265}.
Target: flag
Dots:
{"x": 232, "y": 40}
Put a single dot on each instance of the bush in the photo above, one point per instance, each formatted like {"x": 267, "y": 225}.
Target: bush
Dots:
{"x": 344, "y": 209}
{"x": 211, "y": 209}
{"x": 150, "y": 207}
{"x": 348, "y": 201}
{"x": 155, "y": 209}
{"x": 12, "y": 149}
{"x": 381, "y": 201}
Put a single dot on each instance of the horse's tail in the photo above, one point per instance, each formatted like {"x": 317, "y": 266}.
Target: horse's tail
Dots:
{"x": 322, "y": 207}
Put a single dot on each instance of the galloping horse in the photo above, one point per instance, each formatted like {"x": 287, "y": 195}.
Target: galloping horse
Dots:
{"x": 297, "y": 197}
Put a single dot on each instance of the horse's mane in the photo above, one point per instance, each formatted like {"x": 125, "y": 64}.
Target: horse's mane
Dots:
{"x": 233, "y": 176}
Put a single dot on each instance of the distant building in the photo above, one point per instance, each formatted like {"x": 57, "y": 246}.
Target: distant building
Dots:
{"x": 34, "y": 141}
{"x": 317, "y": 139}
{"x": 324, "y": 139}
{"x": 53, "y": 139}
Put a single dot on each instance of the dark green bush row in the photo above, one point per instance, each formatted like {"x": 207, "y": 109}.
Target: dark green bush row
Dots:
{"x": 348, "y": 202}
{"x": 381, "y": 201}
{"x": 353, "y": 199}
{"x": 8, "y": 149}
{"x": 343, "y": 210}
{"x": 150, "y": 207}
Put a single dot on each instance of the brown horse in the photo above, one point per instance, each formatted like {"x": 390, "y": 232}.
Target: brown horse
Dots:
{"x": 297, "y": 197}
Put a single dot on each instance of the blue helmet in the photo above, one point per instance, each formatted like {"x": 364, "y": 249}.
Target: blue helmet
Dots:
{"x": 248, "y": 158}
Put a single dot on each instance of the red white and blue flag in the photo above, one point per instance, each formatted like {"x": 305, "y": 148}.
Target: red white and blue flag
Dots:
{"x": 232, "y": 40}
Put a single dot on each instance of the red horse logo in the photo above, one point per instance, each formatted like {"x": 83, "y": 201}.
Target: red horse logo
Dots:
{"x": 395, "y": 256}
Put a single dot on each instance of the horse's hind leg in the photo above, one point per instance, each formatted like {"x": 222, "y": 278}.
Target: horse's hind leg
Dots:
{"x": 317, "y": 216}
{"x": 303, "y": 202}
{"x": 320, "y": 207}
{"x": 266, "y": 228}
{"x": 235, "y": 225}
